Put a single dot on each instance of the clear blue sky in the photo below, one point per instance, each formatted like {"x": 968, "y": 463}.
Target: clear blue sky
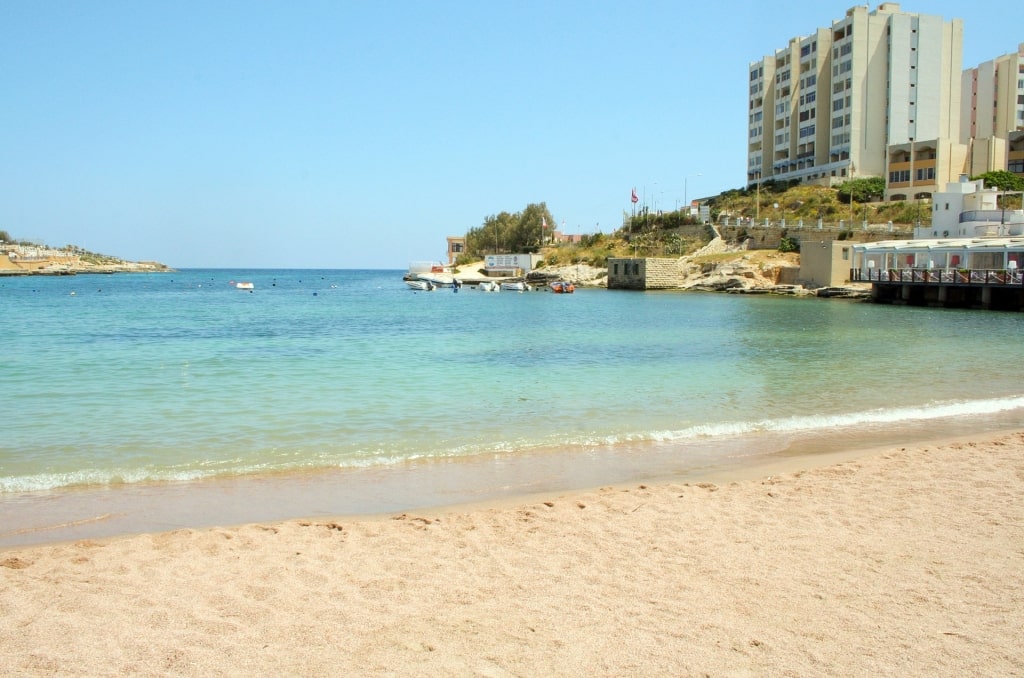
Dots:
{"x": 360, "y": 134}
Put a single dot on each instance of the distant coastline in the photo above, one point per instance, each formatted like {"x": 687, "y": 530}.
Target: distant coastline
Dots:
{"x": 17, "y": 260}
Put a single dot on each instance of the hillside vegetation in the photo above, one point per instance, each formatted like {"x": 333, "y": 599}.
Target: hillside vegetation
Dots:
{"x": 672, "y": 234}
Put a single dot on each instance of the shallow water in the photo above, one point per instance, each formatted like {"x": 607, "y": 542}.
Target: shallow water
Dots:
{"x": 128, "y": 382}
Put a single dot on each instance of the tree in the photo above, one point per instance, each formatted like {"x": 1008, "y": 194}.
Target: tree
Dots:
{"x": 512, "y": 233}
{"x": 1001, "y": 180}
{"x": 787, "y": 244}
{"x": 862, "y": 190}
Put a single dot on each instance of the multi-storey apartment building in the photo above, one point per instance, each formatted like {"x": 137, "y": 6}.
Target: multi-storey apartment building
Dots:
{"x": 877, "y": 94}
{"x": 992, "y": 114}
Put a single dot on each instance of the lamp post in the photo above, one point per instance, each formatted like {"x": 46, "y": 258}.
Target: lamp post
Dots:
{"x": 686, "y": 199}
{"x": 757, "y": 204}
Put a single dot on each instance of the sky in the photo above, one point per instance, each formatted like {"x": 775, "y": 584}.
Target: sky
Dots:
{"x": 343, "y": 134}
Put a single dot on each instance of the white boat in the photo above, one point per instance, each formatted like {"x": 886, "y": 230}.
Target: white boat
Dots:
{"x": 489, "y": 286}
{"x": 438, "y": 279}
{"x": 422, "y": 285}
{"x": 244, "y": 286}
{"x": 518, "y": 286}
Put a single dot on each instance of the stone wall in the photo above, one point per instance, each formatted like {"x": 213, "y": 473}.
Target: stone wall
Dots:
{"x": 769, "y": 237}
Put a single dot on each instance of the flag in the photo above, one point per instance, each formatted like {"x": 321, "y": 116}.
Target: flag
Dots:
{"x": 634, "y": 198}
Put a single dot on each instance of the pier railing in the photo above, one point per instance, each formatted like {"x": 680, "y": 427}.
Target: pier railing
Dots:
{"x": 926, "y": 276}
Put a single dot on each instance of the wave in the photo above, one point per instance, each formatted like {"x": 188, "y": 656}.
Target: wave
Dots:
{"x": 715, "y": 431}
{"x": 896, "y": 415}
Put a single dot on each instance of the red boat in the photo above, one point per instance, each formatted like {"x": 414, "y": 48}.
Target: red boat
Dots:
{"x": 562, "y": 287}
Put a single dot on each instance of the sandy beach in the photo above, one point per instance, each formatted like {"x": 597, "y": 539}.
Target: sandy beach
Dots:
{"x": 908, "y": 561}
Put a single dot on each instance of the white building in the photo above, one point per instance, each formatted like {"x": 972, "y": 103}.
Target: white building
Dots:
{"x": 876, "y": 94}
{"x": 966, "y": 209}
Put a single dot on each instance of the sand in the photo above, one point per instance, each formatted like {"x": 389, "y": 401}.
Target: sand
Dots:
{"x": 901, "y": 562}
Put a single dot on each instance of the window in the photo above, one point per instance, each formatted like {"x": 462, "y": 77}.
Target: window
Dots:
{"x": 925, "y": 173}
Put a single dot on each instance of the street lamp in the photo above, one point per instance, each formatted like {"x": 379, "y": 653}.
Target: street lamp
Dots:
{"x": 757, "y": 204}
{"x": 686, "y": 200}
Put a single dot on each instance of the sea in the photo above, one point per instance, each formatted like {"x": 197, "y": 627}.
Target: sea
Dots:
{"x": 154, "y": 401}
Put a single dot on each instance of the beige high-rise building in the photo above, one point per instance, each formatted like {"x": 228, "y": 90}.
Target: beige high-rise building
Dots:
{"x": 875, "y": 95}
{"x": 992, "y": 114}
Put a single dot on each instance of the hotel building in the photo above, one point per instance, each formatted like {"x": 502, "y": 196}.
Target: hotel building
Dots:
{"x": 992, "y": 114}
{"x": 876, "y": 94}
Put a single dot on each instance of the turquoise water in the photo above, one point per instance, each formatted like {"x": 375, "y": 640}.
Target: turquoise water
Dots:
{"x": 138, "y": 378}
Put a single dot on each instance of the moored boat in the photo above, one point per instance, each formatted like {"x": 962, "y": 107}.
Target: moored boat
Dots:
{"x": 562, "y": 287}
{"x": 517, "y": 286}
{"x": 421, "y": 285}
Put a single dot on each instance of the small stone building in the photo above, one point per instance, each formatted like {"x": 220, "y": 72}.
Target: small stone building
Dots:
{"x": 825, "y": 262}
{"x": 643, "y": 273}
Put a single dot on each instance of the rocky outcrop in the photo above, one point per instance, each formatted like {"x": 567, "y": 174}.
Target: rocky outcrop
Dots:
{"x": 582, "y": 275}
{"x": 748, "y": 271}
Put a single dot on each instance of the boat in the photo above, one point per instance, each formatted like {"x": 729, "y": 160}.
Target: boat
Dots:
{"x": 517, "y": 286}
{"x": 421, "y": 285}
{"x": 244, "y": 286}
{"x": 562, "y": 287}
{"x": 437, "y": 279}
{"x": 489, "y": 286}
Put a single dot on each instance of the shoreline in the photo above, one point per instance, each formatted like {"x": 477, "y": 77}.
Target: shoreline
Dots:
{"x": 110, "y": 511}
{"x": 902, "y": 560}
